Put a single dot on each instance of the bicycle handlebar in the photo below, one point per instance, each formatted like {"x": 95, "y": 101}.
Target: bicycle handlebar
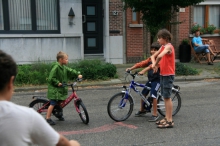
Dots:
{"x": 72, "y": 84}
{"x": 133, "y": 75}
{"x": 128, "y": 72}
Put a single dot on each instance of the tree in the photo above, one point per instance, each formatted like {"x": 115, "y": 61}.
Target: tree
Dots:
{"x": 158, "y": 13}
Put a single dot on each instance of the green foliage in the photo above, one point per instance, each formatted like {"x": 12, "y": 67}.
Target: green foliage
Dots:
{"x": 158, "y": 13}
{"x": 37, "y": 74}
{"x": 195, "y": 27}
{"x": 95, "y": 69}
{"x": 185, "y": 42}
{"x": 182, "y": 69}
{"x": 210, "y": 29}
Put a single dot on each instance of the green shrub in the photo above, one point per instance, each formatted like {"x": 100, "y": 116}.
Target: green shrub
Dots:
{"x": 37, "y": 74}
{"x": 95, "y": 69}
{"x": 182, "y": 69}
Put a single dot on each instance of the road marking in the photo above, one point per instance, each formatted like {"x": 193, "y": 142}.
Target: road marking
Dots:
{"x": 99, "y": 129}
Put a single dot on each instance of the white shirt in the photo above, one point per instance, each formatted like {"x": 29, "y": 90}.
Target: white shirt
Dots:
{"x": 22, "y": 126}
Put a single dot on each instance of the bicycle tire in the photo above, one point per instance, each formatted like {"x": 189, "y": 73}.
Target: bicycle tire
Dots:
{"x": 176, "y": 99}
{"x": 83, "y": 112}
{"x": 117, "y": 113}
{"x": 37, "y": 104}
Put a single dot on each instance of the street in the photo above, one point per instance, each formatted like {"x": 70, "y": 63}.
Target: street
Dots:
{"x": 197, "y": 122}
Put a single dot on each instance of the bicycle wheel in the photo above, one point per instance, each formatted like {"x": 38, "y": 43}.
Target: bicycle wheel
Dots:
{"x": 83, "y": 112}
{"x": 118, "y": 112}
{"x": 176, "y": 99}
{"x": 38, "y": 104}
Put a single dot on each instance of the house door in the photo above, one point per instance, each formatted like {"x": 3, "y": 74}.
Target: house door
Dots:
{"x": 92, "y": 26}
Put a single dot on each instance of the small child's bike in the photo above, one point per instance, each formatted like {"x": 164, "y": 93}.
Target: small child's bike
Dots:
{"x": 120, "y": 106}
{"x": 41, "y": 104}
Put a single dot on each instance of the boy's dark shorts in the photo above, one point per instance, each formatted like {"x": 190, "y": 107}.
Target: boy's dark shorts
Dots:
{"x": 54, "y": 102}
{"x": 166, "y": 83}
{"x": 154, "y": 88}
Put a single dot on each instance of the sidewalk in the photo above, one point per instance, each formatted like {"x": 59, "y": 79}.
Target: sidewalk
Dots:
{"x": 206, "y": 72}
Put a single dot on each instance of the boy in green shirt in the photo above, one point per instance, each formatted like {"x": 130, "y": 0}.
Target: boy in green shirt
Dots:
{"x": 59, "y": 74}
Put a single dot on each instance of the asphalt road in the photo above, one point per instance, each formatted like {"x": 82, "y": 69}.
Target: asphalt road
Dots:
{"x": 196, "y": 124}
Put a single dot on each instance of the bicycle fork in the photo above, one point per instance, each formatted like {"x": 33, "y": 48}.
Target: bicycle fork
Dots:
{"x": 123, "y": 100}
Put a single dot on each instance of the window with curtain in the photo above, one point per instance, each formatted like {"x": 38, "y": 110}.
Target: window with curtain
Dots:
{"x": 135, "y": 17}
{"x": 29, "y": 16}
{"x": 207, "y": 14}
{"x": 1, "y": 16}
{"x": 46, "y": 14}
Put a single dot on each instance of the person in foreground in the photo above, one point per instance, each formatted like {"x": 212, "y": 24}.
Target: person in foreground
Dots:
{"x": 200, "y": 48}
{"x": 19, "y": 125}
{"x": 166, "y": 56}
{"x": 59, "y": 74}
{"x": 153, "y": 82}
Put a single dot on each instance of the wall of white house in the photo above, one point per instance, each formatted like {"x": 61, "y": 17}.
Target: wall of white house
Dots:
{"x": 30, "y": 48}
{"x": 113, "y": 45}
{"x": 116, "y": 50}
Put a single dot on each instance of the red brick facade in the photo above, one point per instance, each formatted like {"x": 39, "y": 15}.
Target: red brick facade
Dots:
{"x": 134, "y": 40}
{"x": 137, "y": 38}
{"x": 116, "y": 21}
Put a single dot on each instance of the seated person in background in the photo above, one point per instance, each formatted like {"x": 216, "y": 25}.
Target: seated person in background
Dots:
{"x": 200, "y": 48}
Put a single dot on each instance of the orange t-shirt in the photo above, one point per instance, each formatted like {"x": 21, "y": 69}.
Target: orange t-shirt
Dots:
{"x": 167, "y": 63}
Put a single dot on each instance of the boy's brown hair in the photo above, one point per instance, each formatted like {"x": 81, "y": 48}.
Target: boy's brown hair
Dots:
{"x": 165, "y": 34}
{"x": 8, "y": 68}
{"x": 155, "y": 46}
{"x": 61, "y": 55}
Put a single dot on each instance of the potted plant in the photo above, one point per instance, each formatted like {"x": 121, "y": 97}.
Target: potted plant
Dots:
{"x": 210, "y": 29}
{"x": 195, "y": 27}
{"x": 185, "y": 51}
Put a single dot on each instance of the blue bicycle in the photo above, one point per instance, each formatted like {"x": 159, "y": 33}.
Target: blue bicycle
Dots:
{"x": 120, "y": 106}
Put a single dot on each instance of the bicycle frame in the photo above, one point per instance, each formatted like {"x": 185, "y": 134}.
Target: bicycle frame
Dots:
{"x": 65, "y": 102}
{"x": 127, "y": 92}
{"x": 133, "y": 86}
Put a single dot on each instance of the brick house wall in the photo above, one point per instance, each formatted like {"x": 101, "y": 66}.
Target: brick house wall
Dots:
{"x": 134, "y": 40}
{"x": 137, "y": 37}
{"x": 216, "y": 39}
{"x": 116, "y": 21}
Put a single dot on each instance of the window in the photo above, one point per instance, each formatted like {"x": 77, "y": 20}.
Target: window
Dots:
{"x": 207, "y": 14}
{"x": 135, "y": 17}
{"x": 29, "y": 16}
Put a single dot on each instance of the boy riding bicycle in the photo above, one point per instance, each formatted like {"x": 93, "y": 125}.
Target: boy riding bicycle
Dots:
{"x": 153, "y": 82}
{"x": 59, "y": 74}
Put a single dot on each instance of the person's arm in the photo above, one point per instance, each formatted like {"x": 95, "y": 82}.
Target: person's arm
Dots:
{"x": 139, "y": 65}
{"x": 43, "y": 134}
{"x": 144, "y": 70}
{"x": 72, "y": 72}
{"x": 167, "y": 50}
{"x": 65, "y": 142}
{"x": 154, "y": 56}
{"x": 52, "y": 79}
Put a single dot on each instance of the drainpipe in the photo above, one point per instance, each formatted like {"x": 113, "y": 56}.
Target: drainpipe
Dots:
{"x": 107, "y": 30}
{"x": 124, "y": 37}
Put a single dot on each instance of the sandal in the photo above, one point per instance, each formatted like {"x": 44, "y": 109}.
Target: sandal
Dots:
{"x": 161, "y": 121}
{"x": 215, "y": 56}
{"x": 166, "y": 125}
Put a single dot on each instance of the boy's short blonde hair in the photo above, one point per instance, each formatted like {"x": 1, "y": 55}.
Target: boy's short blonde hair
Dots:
{"x": 61, "y": 55}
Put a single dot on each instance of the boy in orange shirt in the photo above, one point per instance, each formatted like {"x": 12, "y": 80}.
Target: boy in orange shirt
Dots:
{"x": 153, "y": 82}
{"x": 166, "y": 56}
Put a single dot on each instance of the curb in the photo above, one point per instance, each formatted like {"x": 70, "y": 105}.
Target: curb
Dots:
{"x": 111, "y": 82}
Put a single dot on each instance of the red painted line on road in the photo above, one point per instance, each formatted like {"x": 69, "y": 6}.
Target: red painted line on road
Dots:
{"x": 126, "y": 125}
{"x": 98, "y": 129}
